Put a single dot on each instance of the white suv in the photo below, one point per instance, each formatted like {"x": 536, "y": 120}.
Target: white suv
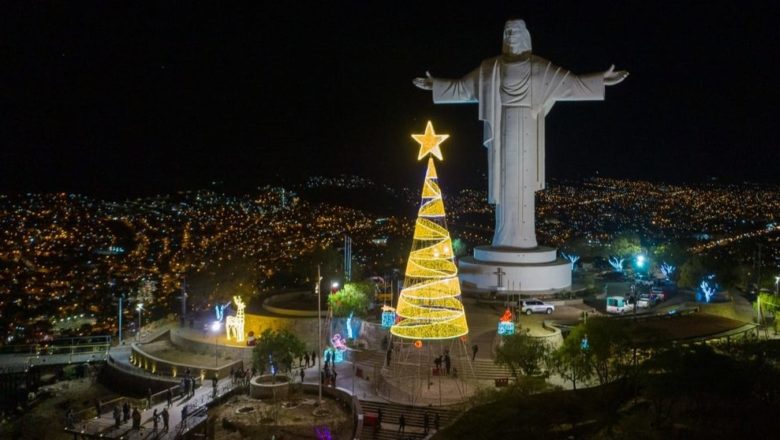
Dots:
{"x": 536, "y": 306}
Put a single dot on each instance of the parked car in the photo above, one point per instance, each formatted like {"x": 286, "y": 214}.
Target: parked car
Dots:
{"x": 660, "y": 293}
{"x": 618, "y": 304}
{"x": 645, "y": 301}
{"x": 536, "y": 306}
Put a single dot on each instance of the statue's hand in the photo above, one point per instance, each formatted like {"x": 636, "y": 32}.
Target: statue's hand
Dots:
{"x": 424, "y": 83}
{"x": 612, "y": 77}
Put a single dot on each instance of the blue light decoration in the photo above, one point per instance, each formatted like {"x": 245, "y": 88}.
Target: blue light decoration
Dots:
{"x": 667, "y": 269}
{"x": 349, "y": 326}
{"x": 388, "y": 316}
{"x": 707, "y": 289}
{"x": 219, "y": 310}
{"x": 640, "y": 261}
{"x": 505, "y": 325}
{"x": 506, "y": 328}
{"x": 337, "y": 356}
{"x": 573, "y": 259}
{"x": 617, "y": 263}
{"x": 337, "y": 350}
{"x": 584, "y": 344}
{"x": 322, "y": 433}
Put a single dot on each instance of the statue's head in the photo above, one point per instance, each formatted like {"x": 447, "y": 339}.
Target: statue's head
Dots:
{"x": 516, "y": 38}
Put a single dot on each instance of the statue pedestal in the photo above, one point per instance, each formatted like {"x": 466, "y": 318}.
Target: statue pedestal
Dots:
{"x": 533, "y": 271}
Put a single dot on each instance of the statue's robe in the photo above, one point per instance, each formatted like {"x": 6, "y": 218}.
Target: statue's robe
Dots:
{"x": 514, "y": 97}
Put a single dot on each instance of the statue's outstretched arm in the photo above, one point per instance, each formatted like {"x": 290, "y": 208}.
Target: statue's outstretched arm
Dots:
{"x": 612, "y": 77}
{"x": 424, "y": 83}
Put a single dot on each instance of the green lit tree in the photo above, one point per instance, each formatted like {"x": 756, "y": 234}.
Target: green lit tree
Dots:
{"x": 625, "y": 244}
{"x": 354, "y": 297}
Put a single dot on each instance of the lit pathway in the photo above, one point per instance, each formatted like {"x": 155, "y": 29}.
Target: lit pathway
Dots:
{"x": 104, "y": 426}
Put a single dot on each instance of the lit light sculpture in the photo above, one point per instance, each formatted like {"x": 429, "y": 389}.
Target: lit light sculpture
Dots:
{"x": 234, "y": 325}
{"x": 505, "y": 325}
{"x": 573, "y": 259}
{"x": 350, "y": 334}
{"x": 617, "y": 263}
{"x": 667, "y": 269}
{"x": 429, "y": 306}
{"x": 388, "y": 316}
{"x": 337, "y": 350}
{"x": 219, "y": 309}
{"x": 707, "y": 289}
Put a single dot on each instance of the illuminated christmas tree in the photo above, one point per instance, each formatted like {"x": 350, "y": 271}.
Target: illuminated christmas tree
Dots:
{"x": 429, "y": 306}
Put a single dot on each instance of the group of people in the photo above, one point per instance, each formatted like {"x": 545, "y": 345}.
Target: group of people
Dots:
{"x": 307, "y": 361}
{"x": 123, "y": 415}
{"x": 328, "y": 374}
{"x": 241, "y": 377}
{"x": 187, "y": 384}
{"x": 426, "y": 422}
{"x": 445, "y": 359}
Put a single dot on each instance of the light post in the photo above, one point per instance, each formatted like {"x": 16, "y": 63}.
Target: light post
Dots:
{"x": 319, "y": 335}
{"x": 215, "y": 328}
{"x": 777, "y": 285}
{"x": 140, "y": 308}
{"x": 121, "y": 300}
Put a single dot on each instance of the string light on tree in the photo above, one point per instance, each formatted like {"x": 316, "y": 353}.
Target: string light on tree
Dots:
{"x": 429, "y": 306}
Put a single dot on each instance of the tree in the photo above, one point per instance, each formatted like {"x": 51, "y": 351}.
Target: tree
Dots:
{"x": 692, "y": 272}
{"x": 522, "y": 353}
{"x": 352, "y": 298}
{"x": 608, "y": 353}
{"x": 459, "y": 247}
{"x": 275, "y": 349}
{"x": 625, "y": 244}
{"x": 570, "y": 362}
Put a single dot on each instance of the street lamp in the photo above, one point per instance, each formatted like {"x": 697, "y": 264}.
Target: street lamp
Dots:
{"x": 319, "y": 336}
{"x": 777, "y": 285}
{"x": 215, "y": 328}
{"x": 140, "y": 308}
{"x": 334, "y": 287}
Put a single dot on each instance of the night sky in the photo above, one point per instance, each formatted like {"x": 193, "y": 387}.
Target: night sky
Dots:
{"x": 115, "y": 100}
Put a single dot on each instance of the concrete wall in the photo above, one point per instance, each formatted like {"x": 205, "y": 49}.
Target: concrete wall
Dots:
{"x": 157, "y": 366}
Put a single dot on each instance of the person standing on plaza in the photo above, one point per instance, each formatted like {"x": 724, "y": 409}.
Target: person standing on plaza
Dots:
{"x": 169, "y": 396}
{"x": 306, "y": 358}
{"x": 313, "y": 357}
{"x": 401, "y": 424}
{"x": 148, "y": 398}
{"x": 117, "y": 416}
{"x": 474, "y": 350}
{"x": 165, "y": 417}
{"x": 303, "y": 374}
{"x": 125, "y": 412}
{"x": 136, "y": 418}
{"x": 426, "y": 422}
{"x": 155, "y": 419}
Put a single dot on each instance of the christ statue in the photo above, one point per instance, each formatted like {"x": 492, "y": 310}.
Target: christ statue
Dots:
{"x": 515, "y": 91}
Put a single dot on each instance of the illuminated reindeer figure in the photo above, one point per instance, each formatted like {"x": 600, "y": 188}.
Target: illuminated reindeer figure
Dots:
{"x": 235, "y": 324}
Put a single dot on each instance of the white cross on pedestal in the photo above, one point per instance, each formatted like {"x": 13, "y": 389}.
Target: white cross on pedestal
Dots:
{"x": 500, "y": 275}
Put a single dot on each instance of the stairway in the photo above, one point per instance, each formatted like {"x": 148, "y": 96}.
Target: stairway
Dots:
{"x": 414, "y": 420}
